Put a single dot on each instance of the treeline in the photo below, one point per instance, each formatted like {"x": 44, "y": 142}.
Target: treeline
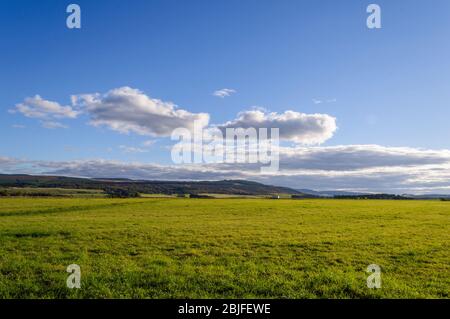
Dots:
{"x": 120, "y": 193}
{"x": 304, "y": 196}
{"x": 372, "y": 196}
{"x": 15, "y": 193}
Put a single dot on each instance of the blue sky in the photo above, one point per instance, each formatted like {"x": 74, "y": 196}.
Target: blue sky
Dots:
{"x": 387, "y": 87}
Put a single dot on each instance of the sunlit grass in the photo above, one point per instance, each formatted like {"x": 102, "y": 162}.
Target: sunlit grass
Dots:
{"x": 223, "y": 248}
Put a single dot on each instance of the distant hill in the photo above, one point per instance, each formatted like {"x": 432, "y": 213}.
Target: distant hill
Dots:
{"x": 232, "y": 187}
{"x": 226, "y": 187}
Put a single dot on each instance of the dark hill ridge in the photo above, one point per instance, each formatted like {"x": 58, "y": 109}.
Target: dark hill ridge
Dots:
{"x": 232, "y": 187}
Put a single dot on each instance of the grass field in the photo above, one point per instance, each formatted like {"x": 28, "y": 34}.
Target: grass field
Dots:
{"x": 224, "y": 248}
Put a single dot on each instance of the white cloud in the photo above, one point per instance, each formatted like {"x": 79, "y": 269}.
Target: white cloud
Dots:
{"x": 52, "y": 125}
{"x": 222, "y": 93}
{"x": 321, "y": 101}
{"x": 7, "y": 161}
{"x": 315, "y": 101}
{"x": 293, "y": 126}
{"x": 11, "y": 165}
{"x": 132, "y": 149}
{"x": 129, "y": 110}
{"x": 37, "y": 107}
{"x": 148, "y": 143}
{"x": 18, "y": 126}
{"x": 355, "y": 157}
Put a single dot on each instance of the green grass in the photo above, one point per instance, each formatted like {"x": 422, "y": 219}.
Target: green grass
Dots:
{"x": 224, "y": 248}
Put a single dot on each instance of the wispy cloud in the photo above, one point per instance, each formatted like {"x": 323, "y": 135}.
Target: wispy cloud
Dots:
{"x": 52, "y": 125}
{"x": 148, "y": 143}
{"x": 132, "y": 149}
{"x": 222, "y": 93}
{"x": 321, "y": 101}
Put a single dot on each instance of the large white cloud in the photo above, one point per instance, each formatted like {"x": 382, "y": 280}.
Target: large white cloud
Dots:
{"x": 129, "y": 110}
{"x": 293, "y": 126}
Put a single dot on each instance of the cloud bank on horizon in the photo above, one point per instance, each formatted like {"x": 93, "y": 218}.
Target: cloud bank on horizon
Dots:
{"x": 370, "y": 168}
{"x": 304, "y": 163}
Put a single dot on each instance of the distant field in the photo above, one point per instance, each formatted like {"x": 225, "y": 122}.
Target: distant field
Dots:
{"x": 224, "y": 248}
{"x": 283, "y": 196}
{"x": 157, "y": 196}
{"x": 234, "y": 196}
